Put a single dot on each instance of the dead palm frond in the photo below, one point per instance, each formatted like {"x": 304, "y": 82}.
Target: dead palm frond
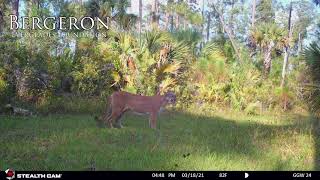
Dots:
{"x": 167, "y": 69}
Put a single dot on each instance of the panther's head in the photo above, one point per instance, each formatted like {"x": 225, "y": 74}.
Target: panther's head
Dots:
{"x": 170, "y": 97}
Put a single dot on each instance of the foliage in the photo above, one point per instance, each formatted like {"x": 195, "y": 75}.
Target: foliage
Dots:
{"x": 40, "y": 70}
{"x": 3, "y": 84}
{"x": 266, "y": 33}
{"x": 190, "y": 36}
{"x": 268, "y": 37}
{"x": 312, "y": 56}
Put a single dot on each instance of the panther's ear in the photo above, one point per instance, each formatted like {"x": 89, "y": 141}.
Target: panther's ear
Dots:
{"x": 170, "y": 94}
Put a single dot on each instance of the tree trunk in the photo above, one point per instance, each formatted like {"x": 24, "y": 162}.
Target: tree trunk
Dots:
{"x": 227, "y": 30}
{"x": 300, "y": 42}
{"x": 15, "y": 7}
{"x": 177, "y": 21}
{"x": 202, "y": 26}
{"x": 168, "y": 16}
{"x": 287, "y": 50}
{"x": 1, "y": 21}
{"x": 231, "y": 22}
{"x": 253, "y": 13}
{"x": 285, "y": 63}
{"x": 36, "y": 3}
{"x": 154, "y": 14}
{"x": 31, "y": 44}
{"x": 208, "y": 27}
{"x": 29, "y": 8}
{"x": 267, "y": 59}
{"x": 171, "y": 23}
{"x": 167, "y": 21}
{"x": 140, "y": 19}
{"x": 15, "y": 10}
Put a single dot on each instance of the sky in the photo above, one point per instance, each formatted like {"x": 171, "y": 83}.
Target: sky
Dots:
{"x": 135, "y": 4}
{"x": 134, "y": 9}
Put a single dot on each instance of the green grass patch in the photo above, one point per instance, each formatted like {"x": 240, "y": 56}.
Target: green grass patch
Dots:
{"x": 184, "y": 141}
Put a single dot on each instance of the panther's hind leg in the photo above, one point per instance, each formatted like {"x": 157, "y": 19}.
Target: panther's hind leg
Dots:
{"x": 109, "y": 121}
{"x": 119, "y": 119}
{"x": 118, "y": 122}
{"x": 113, "y": 117}
{"x": 100, "y": 120}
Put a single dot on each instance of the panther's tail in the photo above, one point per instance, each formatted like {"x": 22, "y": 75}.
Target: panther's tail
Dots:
{"x": 105, "y": 114}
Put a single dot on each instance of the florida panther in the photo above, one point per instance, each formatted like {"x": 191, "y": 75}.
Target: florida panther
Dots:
{"x": 120, "y": 102}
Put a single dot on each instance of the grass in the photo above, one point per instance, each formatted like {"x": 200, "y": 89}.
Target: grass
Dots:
{"x": 185, "y": 141}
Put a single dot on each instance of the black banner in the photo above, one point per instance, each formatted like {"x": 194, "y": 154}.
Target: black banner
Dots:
{"x": 64, "y": 175}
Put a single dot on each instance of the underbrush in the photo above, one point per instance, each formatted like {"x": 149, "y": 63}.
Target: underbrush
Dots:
{"x": 72, "y": 104}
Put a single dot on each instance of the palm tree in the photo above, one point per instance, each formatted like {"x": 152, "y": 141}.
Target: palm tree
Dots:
{"x": 167, "y": 59}
{"x": 268, "y": 36}
{"x": 287, "y": 49}
{"x": 146, "y": 69}
{"x": 312, "y": 57}
{"x": 15, "y": 7}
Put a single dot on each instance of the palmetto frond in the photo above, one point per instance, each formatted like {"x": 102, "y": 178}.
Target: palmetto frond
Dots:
{"x": 126, "y": 43}
{"x": 116, "y": 77}
{"x": 153, "y": 40}
{"x": 267, "y": 33}
{"x": 312, "y": 56}
{"x": 180, "y": 52}
{"x": 167, "y": 68}
{"x": 189, "y": 36}
{"x": 212, "y": 51}
{"x": 166, "y": 84}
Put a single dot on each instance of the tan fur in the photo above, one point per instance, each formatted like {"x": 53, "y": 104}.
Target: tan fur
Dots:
{"x": 121, "y": 102}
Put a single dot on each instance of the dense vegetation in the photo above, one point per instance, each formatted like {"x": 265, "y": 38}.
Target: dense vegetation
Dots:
{"x": 255, "y": 57}
{"x": 254, "y": 68}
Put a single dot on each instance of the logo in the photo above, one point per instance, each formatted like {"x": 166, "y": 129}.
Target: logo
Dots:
{"x": 61, "y": 23}
{"x": 10, "y": 174}
{"x": 246, "y": 175}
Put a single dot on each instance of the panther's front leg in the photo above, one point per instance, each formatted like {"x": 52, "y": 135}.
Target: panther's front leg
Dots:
{"x": 153, "y": 120}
